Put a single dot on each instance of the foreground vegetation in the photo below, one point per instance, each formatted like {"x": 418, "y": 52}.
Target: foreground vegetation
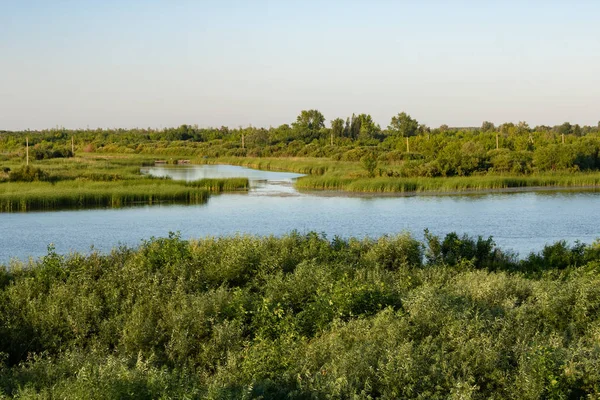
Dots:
{"x": 303, "y": 317}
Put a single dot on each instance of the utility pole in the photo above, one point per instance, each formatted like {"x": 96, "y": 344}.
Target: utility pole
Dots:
{"x": 331, "y": 136}
{"x": 497, "y": 147}
{"x": 243, "y": 143}
{"x": 563, "y": 138}
{"x": 72, "y": 146}
{"x": 407, "y": 146}
{"x": 27, "y": 149}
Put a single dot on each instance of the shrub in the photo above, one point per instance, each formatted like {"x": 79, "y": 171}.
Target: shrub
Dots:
{"x": 27, "y": 174}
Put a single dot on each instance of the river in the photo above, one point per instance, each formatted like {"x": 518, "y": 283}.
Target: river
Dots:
{"x": 521, "y": 222}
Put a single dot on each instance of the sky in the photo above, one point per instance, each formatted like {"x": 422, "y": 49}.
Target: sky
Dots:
{"x": 128, "y": 63}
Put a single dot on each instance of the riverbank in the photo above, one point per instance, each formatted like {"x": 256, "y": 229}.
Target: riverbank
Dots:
{"x": 324, "y": 176}
{"x": 100, "y": 182}
{"x": 350, "y": 178}
{"x": 453, "y": 185}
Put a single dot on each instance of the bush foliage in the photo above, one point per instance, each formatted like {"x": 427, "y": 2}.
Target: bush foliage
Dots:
{"x": 303, "y": 317}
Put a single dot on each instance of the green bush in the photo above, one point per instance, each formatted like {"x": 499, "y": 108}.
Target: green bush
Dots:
{"x": 302, "y": 316}
{"x": 27, "y": 174}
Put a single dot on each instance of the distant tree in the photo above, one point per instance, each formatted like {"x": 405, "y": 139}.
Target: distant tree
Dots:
{"x": 542, "y": 128}
{"x": 347, "y": 128}
{"x": 403, "y": 125}
{"x": 443, "y": 128}
{"x": 354, "y": 127}
{"x": 487, "y": 126}
{"x": 337, "y": 128}
{"x": 308, "y": 125}
{"x": 507, "y": 128}
{"x": 577, "y": 130}
{"x": 522, "y": 127}
{"x": 310, "y": 119}
{"x": 368, "y": 128}
{"x": 564, "y": 129}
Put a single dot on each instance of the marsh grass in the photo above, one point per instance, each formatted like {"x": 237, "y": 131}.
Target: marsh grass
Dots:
{"x": 301, "y": 165}
{"x": 220, "y": 184}
{"x": 403, "y": 185}
{"x": 19, "y": 197}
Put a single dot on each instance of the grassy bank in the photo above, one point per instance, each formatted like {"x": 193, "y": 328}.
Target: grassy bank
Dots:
{"x": 325, "y": 174}
{"x": 302, "y": 317}
{"x": 308, "y": 166}
{"x": 30, "y": 196}
{"x": 454, "y": 184}
{"x": 322, "y": 174}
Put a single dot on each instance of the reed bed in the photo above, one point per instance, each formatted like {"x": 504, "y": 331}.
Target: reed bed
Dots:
{"x": 404, "y": 185}
{"x": 35, "y": 196}
{"x": 220, "y": 184}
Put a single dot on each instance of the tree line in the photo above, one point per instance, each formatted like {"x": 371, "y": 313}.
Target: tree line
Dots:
{"x": 415, "y": 149}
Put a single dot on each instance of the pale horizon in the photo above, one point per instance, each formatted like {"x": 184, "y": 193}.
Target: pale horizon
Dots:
{"x": 79, "y": 64}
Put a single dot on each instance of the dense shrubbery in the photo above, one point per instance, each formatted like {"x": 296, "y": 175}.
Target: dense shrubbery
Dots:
{"x": 46, "y": 151}
{"x": 27, "y": 174}
{"x": 303, "y": 317}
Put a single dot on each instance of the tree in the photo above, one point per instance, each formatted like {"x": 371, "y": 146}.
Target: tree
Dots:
{"x": 564, "y": 129}
{"x": 310, "y": 119}
{"x": 522, "y": 127}
{"x": 367, "y": 128}
{"x": 487, "y": 126}
{"x": 337, "y": 128}
{"x": 347, "y": 128}
{"x": 403, "y": 125}
{"x": 308, "y": 125}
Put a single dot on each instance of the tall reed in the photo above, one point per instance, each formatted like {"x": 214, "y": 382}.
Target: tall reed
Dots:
{"x": 403, "y": 185}
{"x": 85, "y": 194}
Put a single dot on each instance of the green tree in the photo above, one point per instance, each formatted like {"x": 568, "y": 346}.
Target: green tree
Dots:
{"x": 310, "y": 119}
{"x": 308, "y": 125}
{"x": 337, "y": 128}
{"x": 368, "y": 128}
{"x": 369, "y": 162}
{"x": 487, "y": 126}
{"x": 564, "y": 129}
{"x": 403, "y": 125}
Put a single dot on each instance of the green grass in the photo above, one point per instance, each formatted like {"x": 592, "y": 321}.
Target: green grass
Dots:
{"x": 453, "y": 184}
{"x": 86, "y": 194}
{"x": 300, "y": 165}
{"x": 92, "y": 181}
{"x": 323, "y": 174}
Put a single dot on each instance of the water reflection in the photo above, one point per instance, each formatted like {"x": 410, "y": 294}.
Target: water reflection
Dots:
{"x": 262, "y": 183}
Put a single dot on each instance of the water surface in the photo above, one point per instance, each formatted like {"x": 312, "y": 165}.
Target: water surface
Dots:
{"x": 522, "y": 222}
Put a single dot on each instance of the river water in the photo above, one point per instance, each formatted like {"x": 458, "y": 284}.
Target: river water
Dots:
{"x": 521, "y": 222}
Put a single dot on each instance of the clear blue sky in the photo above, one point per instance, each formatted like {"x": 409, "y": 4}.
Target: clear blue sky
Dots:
{"x": 165, "y": 63}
